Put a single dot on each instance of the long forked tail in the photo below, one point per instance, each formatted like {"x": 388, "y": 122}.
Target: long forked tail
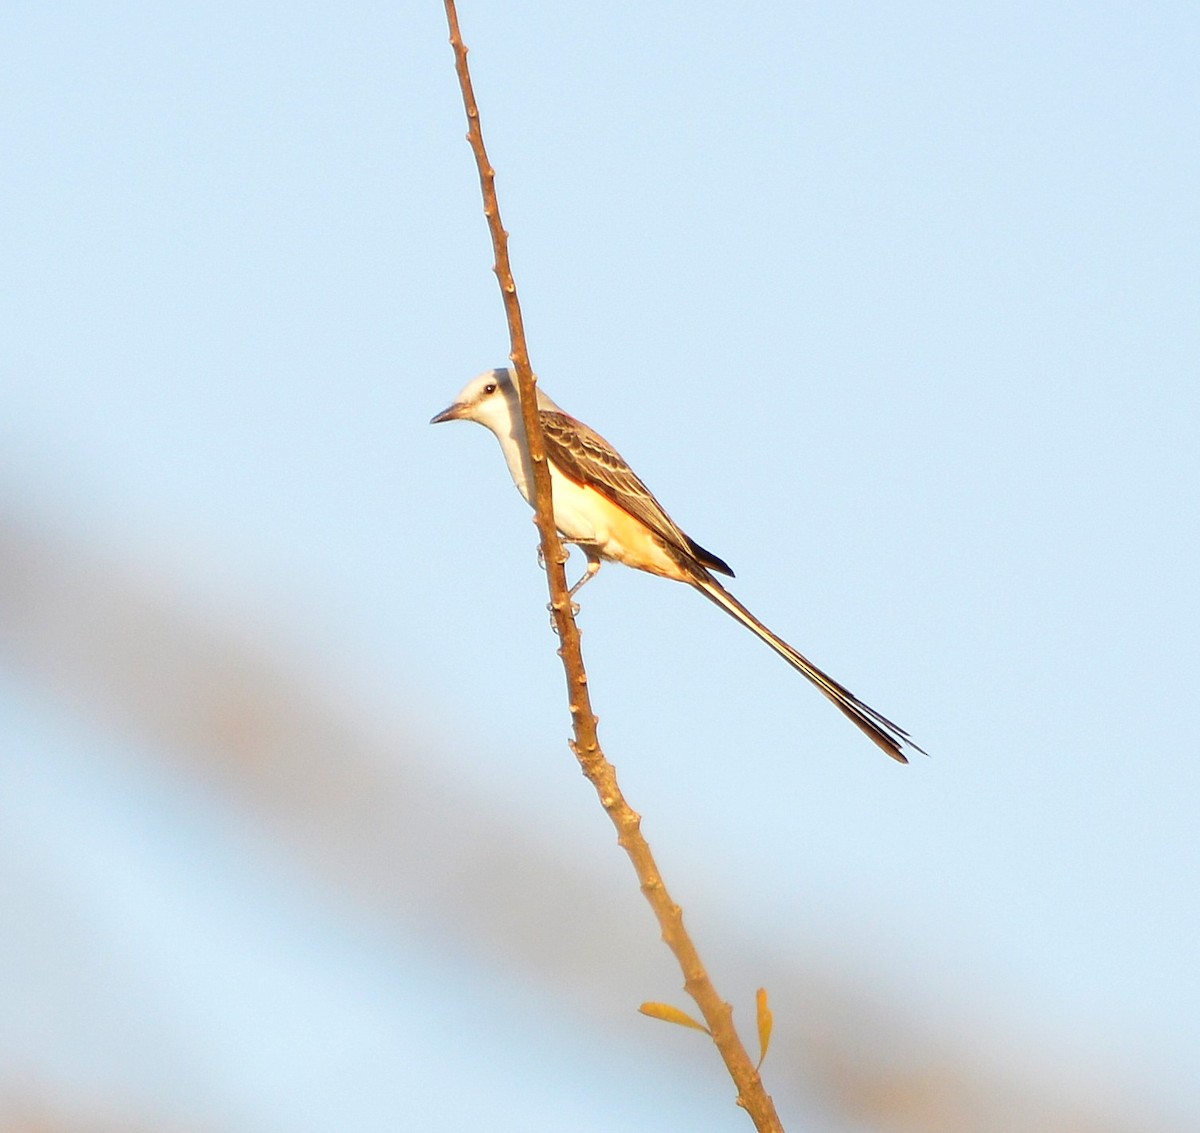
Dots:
{"x": 892, "y": 738}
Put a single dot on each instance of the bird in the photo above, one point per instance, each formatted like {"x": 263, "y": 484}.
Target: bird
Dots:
{"x": 601, "y": 506}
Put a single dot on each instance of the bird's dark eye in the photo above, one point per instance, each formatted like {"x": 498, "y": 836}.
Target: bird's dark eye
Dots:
{"x": 490, "y": 387}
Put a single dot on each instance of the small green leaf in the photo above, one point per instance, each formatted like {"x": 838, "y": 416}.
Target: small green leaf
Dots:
{"x": 669, "y": 1014}
{"x": 765, "y": 1022}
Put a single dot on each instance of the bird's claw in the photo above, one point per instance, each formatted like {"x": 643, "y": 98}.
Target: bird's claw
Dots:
{"x": 541, "y": 556}
{"x": 553, "y": 621}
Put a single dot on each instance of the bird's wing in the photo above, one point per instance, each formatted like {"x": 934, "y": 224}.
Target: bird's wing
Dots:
{"x": 584, "y": 456}
{"x": 587, "y": 458}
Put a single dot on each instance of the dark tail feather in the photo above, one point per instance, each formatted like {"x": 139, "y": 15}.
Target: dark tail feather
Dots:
{"x": 708, "y": 559}
{"x": 889, "y": 736}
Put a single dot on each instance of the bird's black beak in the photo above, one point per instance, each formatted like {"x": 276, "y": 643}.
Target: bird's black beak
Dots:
{"x": 451, "y": 413}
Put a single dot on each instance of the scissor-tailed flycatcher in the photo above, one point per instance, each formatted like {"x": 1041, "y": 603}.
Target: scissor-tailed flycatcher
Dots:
{"x": 602, "y": 506}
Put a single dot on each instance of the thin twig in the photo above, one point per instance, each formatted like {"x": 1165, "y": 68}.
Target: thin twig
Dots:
{"x": 717, "y": 1013}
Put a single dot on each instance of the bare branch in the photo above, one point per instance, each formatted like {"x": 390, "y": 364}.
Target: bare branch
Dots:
{"x": 718, "y": 1014}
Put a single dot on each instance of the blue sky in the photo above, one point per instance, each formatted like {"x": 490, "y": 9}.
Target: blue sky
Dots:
{"x": 894, "y": 309}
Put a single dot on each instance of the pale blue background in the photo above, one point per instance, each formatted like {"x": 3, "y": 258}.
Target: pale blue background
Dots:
{"x": 894, "y": 307}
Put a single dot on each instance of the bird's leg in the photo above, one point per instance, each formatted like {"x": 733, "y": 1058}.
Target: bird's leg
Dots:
{"x": 593, "y": 567}
{"x": 550, "y": 605}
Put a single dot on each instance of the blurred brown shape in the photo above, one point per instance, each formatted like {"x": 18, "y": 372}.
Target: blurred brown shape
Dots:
{"x": 26, "y": 1110}
{"x": 370, "y": 814}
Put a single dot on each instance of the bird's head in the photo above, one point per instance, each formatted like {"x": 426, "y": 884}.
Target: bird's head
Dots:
{"x": 490, "y": 399}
